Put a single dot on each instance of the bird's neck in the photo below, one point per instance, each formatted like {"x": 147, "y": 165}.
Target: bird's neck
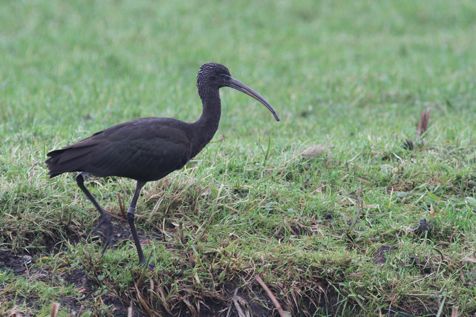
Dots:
{"x": 206, "y": 126}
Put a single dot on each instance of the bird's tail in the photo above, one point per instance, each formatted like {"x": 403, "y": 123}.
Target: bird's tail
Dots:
{"x": 69, "y": 159}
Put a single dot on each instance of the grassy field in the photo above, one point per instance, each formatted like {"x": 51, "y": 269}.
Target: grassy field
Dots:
{"x": 365, "y": 227}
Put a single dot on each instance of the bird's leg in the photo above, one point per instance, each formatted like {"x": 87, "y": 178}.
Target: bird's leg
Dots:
{"x": 104, "y": 218}
{"x": 130, "y": 218}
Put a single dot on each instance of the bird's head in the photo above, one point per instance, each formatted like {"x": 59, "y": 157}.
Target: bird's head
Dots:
{"x": 215, "y": 76}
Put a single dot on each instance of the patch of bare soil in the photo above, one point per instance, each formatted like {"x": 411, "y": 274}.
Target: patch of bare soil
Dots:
{"x": 380, "y": 255}
{"x": 18, "y": 264}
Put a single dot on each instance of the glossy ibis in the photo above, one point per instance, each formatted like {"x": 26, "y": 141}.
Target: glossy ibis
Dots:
{"x": 147, "y": 149}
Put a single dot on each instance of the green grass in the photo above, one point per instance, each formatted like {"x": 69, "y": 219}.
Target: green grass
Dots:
{"x": 352, "y": 76}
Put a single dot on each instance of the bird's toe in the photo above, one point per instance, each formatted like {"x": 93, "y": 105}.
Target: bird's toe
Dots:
{"x": 104, "y": 228}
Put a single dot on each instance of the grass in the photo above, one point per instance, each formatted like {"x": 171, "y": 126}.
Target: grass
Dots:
{"x": 336, "y": 234}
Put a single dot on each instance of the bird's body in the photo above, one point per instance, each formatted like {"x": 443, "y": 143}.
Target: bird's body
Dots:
{"x": 148, "y": 149}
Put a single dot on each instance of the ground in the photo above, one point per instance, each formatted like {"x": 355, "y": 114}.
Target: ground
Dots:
{"x": 341, "y": 208}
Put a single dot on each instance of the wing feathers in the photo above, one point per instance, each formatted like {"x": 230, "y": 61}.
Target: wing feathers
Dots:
{"x": 145, "y": 149}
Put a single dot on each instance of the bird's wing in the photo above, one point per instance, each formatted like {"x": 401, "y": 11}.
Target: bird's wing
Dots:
{"x": 151, "y": 155}
{"x": 145, "y": 149}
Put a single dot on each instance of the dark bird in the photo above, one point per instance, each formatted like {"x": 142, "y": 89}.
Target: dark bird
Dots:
{"x": 147, "y": 149}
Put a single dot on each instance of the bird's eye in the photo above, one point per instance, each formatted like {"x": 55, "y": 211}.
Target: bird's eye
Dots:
{"x": 213, "y": 78}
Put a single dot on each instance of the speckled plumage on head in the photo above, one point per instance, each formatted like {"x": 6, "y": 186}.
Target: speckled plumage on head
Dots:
{"x": 212, "y": 75}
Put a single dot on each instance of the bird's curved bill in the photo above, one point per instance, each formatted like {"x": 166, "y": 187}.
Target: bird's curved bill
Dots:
{"x": 236, "y": 84}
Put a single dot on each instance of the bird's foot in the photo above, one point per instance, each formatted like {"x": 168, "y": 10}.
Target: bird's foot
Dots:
{"x": 104, "y": 228}
{"x": 146, "y": 263}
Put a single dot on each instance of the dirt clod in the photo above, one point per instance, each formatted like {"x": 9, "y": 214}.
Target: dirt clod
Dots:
{"x": 379, "y": 257}
{"x": 16, "y": 263}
